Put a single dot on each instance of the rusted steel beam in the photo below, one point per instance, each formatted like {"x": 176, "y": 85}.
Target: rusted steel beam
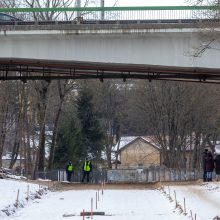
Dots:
{"x": 37, "y": 69}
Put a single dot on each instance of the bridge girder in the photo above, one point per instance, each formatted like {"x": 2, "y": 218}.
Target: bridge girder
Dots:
{"x": 37, "y": 69}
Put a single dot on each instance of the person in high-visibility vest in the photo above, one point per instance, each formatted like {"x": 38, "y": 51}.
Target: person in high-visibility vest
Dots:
{"x": 69, "y": 171}
{"x": 87, "y": 169}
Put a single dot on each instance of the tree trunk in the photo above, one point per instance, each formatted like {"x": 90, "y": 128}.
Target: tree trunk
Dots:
{"x": 52, "y": 148}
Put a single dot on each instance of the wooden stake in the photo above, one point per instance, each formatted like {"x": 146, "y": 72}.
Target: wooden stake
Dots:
{"x": 96, "y": 200}
{"x": 175, "y": 198}
{"x": 27, "y": 193}
{"x": 17, "y": 199}
{"x": 195, "y": 216}
{"x": 89, "y": 214}
{"x": 98, "y": 194}
{"x": 102, "y": 188}
{"x": 91, "y": 208}
{"x": 191, "y": 214}
{"x": 184, "y": 206}
{"x": 83, "y": 214}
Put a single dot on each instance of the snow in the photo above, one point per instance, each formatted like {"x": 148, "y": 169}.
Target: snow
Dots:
{"x": 201, "y": 199}
{"x": 16, "y": 194}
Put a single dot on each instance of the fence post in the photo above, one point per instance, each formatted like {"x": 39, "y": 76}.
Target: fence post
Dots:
{"x": 102, "y": 188}
{"x": 154, "y": 174}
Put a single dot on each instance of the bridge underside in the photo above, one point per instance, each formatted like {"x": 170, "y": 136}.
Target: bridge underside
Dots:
{"x": 37, "y": 69}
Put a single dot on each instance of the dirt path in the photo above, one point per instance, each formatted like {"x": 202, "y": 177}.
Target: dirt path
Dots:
{"x": 62, "y": 186}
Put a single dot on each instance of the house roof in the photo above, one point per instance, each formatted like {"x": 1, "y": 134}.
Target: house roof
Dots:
{"x": 125, "y": 141}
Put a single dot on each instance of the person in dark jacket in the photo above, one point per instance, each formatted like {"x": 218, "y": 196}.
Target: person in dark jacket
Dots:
{"x": 87, "y": 169}
{"x": 204, "y": 154}
{"x": 69, "y": 171}
{"x": 209, "y": 165}
{"x": 217, "y": 167}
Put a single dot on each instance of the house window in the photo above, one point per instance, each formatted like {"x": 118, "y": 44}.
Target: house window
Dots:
{"x": 140, "y": 164}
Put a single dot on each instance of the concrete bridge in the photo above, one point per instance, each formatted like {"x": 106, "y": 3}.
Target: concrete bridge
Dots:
{"x": 173, "y": 44}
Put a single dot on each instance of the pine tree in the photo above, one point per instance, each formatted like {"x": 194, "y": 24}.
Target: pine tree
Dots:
{"x": 69, "y": 145}
{"x": 92, "y": 134}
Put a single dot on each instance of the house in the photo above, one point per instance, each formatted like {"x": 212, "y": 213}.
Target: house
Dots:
{"x": 137, "y": 152}
{"x": 144, "y": 151}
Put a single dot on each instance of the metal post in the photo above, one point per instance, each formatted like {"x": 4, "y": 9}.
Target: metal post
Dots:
{"x": 78, "y": 5}
{"x": 102, "y": 12}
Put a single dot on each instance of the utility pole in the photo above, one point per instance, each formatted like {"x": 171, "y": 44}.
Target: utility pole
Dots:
{"x": 78, "y": 5}
{"x": 103, "y": 12}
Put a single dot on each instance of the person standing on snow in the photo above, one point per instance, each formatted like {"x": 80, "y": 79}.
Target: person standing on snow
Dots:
{"x": 204, "y": 154}
{"x": 209, "y": 165}
{"x": 69, "y": 171}
{"x": 217, "y": 167}
{"x": 87, "y": 169}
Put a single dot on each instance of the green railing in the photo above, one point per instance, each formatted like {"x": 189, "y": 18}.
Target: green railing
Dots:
{"x": 115, "y": 13}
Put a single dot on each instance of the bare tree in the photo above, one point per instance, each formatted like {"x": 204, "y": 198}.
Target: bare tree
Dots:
{"x": 7, "y": 107}
{"x": 209, "y": 35}
{"x": 110, "y": 101}
{"x": 181, "y": 118}
{"x": 64, "y": 88}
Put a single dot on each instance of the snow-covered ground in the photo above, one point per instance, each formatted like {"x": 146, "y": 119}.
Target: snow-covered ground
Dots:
{"x": 201, "y": 200}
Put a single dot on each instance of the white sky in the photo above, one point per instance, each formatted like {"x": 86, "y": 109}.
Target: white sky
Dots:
{"x": 147, "y": 2}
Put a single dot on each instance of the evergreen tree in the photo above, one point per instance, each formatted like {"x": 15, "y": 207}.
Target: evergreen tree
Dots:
{"x": 70, "y": 145}
{"x": 92, "y": 134}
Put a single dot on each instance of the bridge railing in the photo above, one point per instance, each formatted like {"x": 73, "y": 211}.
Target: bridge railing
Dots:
{"x": 150, "y": 13}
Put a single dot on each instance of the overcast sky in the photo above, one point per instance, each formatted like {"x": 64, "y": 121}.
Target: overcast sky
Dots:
{"x": 146, "y": 2}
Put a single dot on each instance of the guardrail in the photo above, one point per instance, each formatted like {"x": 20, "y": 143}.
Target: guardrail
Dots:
{"x": 114, "y": 13}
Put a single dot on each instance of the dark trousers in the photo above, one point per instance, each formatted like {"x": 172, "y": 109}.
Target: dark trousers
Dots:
{"x": 85, "y": 174}
{"x": 204, "y": 175}
{"x": 209, "y": 175}
{"x": 69, "y": 175}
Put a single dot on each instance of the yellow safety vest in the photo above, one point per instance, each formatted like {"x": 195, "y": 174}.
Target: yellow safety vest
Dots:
{"x": 87, "y": 166}
{"x": 70, "y": 168}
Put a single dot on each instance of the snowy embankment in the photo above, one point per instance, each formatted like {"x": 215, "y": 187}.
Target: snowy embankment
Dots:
{"x": 16, "y": 194}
